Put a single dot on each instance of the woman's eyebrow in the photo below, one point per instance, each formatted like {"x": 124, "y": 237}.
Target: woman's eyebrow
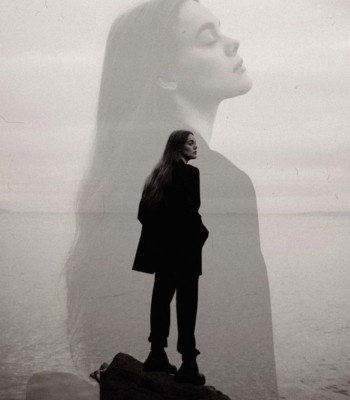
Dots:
{"x": 207, "y": 25}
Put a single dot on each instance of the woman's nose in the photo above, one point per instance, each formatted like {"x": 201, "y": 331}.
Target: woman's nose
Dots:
{"x": 231, "y": 46}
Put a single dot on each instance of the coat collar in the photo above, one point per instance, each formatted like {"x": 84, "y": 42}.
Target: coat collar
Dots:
{"x": 180, "y": 162}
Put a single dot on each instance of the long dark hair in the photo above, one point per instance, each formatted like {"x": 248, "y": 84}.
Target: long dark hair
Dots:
{"x": 161, "y": 176}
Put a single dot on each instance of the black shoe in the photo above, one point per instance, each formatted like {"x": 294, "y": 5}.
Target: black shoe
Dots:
{"x": 188, "y": 373}
{"x": 158, "y": 361}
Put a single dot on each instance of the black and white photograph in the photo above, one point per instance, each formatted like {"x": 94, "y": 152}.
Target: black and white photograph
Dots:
{"x": 175, "y": 200}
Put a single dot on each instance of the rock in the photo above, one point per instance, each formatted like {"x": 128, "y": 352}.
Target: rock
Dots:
{"x": 50, "y": 385}
{"x": 125, "y": 380}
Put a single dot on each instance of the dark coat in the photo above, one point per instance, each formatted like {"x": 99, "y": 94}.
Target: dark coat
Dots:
{"x": 173, "y": 233}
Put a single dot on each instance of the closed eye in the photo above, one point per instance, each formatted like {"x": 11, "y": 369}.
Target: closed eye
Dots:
{"x": 208, "y": 36}
{"x": 211, "y": 43}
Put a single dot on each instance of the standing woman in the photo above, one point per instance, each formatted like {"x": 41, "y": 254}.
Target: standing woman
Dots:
{"x": 170, "y": 246}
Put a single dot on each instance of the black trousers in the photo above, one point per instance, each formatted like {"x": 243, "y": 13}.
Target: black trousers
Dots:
{"x": 186, "y": 287}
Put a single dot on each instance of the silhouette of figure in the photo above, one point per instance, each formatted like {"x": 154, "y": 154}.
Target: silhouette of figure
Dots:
{"x": 170, "y": 246}
{"x": 167, "y": 67}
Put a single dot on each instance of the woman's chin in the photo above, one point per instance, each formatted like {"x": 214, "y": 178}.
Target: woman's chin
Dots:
{"x": 247, "y": 87}
{"x": 242, "y": 86}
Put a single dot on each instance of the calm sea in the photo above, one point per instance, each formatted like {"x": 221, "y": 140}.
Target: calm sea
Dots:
{"x": 307, "y": 256}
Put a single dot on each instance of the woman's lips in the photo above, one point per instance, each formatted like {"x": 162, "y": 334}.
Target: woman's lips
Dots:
{"x": 239, "y": 67}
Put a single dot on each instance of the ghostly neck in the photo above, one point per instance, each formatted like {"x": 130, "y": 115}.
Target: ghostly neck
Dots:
{"x": 197, "y": 115}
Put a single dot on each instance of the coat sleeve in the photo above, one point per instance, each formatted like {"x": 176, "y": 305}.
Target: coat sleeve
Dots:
{"x": 187, "y": 198}
{"x": 150, "y": 216}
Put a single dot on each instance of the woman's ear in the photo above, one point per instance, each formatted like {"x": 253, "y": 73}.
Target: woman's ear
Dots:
{"x": 166, "y": 83}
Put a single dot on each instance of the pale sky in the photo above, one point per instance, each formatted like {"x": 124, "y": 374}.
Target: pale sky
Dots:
{"x": 290, "y": 133}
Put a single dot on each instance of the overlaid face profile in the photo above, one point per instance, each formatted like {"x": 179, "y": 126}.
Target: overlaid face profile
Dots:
{"x": 207, "y": 62}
